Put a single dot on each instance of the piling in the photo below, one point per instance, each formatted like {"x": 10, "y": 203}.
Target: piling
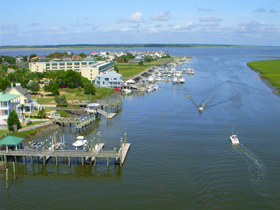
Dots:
{"x": 69, "y": 161}
{"x": 107, "y": 161}
{"x": 7, "y": 177}
{"x": 14, "y": 169}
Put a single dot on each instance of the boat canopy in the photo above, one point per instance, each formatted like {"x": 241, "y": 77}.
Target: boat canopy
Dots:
{"x": 130, "y": 81}
{"x": 93, "y": 105}
{"x": 80, "y": 138}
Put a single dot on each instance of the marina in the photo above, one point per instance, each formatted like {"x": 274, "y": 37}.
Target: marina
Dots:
{"x": 179, "y": 158}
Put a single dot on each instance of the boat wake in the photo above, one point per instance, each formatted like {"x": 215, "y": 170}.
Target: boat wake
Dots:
{"x": 256, "y": 169}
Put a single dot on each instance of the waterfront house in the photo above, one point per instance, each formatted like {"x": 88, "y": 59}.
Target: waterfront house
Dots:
{"x": 108, "y": 79}
{"x": 25, "y": 98}
{"x": 8, "y": 102}
{"x": 19, "y": 59}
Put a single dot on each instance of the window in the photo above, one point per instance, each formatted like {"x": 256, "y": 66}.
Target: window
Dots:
{"x": 91, "y": 70}
{"x": 106, "y": 79}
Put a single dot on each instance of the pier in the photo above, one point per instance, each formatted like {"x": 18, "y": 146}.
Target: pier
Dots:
{"x": 89, "y": 154}
{"x": 78, "y": 124}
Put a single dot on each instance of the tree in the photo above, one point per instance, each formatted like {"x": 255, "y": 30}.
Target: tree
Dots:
{"x": 141, "y": 63}
{"x": 116, "y": 68}
{"x": 89, "y": 89}
{"x": 83, "y": 55}
{"x": 52, "y": 87}
{"x": 60, "y": 100}
{"x": 13, "y": 119}
{"x": 4, "y": 83}
{"x": 72, "y": 78}
{"x": 85, "y": 81}
{"x": 42, "y": 113}
{"x": 148, "y": 59}
{"x": 32, "y": 56}
{"x": 22, "y": 107}
{"x": 33, "y": 86}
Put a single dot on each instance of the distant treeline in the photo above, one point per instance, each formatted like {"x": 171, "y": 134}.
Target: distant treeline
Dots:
{"x": 113, "y": 46}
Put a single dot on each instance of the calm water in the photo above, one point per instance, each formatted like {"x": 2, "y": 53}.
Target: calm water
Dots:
{"x": 179, "y": 158}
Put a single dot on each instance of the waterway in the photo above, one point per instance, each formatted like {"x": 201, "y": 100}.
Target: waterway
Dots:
{"x": 179, "y": 158}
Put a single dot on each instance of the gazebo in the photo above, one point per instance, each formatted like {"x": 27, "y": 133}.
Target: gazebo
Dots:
{"x": 11, "y": 141}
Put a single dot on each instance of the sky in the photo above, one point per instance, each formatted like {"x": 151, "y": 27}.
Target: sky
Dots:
{"x": 54, "y": 22}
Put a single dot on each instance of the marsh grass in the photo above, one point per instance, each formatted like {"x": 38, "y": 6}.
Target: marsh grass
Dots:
{"x": 269, "y": 69}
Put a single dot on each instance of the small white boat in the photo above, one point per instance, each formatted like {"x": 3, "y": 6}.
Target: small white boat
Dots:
{"x": 80, "y": 142}
{"x": 175, "y": 80}
{"x": 126, "y": 91}
{"x": 150, "y": 78}
{"x": 234, "y": 139}
{"x": 155, "y": 87}
{"x": 200, "y": 109}
{"x": 149, "y": 89}
{"x": 182, "y": 80}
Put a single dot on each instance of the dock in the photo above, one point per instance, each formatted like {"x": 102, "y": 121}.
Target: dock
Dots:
{"x": 89, "y": 154}
{"x": 79, "y": 124}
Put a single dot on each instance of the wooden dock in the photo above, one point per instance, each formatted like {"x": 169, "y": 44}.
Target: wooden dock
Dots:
{"x": 78, "y": 124}
{"x": 89, "y": 154}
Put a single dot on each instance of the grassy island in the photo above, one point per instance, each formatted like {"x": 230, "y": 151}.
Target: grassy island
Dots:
{"x": 269, "y": 69}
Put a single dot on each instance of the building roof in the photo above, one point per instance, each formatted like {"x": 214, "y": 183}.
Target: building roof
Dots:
{"x": 11, "y": 140}
{"x": 7, "y": 96}
{"x": 20, "y": 89}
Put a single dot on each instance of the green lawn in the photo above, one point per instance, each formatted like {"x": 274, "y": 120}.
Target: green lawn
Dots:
{"x": 129, "y": 69}
{"x": 3, "y": 132}
{"x": 34, "y": 123}
{"x": 269, "y": 70}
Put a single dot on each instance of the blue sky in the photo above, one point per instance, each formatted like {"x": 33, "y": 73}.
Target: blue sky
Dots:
{"x": 40, "y": 22}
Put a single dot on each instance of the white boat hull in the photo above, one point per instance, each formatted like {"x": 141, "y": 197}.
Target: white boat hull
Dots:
{"x": 234, "y": 139}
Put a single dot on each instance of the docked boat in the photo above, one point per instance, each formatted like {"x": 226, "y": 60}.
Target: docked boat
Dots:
{"x": 149, "y": 89}
{"x": 155, "y": 86}
{"x": 234, "y": 139}
{"x": 175, "y": 80}
{"x": 126, "y": 91}
{"x": 80, "y": 142}
{"x": 182, "y": 80}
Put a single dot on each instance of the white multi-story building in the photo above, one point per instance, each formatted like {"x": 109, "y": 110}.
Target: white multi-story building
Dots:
{"x": 88, "y": 69}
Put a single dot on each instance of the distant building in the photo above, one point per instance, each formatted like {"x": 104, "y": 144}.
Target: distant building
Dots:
{"x": 19, "y": 59}
{"x": 108, "y": 79}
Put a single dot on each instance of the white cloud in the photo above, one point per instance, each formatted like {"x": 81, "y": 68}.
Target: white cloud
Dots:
{"x": 134, "y": 18}
{"x": 127, "y": 29}
{"x": 8, "y": 28}
{"x": 273, "y": 11}
{"x": 162, "y": 16}
{"x": 255, "y": 26}
{"x": 260, "y": 10}
{"x": 210, "y": 19}
{"x": 205, "y": 10}
{"x": 34, "y": 24}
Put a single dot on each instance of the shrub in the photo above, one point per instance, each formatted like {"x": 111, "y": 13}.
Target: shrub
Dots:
{"x": 13, "y": 119}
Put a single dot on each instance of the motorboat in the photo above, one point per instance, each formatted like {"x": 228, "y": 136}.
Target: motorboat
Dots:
{"x": 126, "y": 91}
{"x": 151, "y": 79}
{"x": 182, "y": 80}
{"x": 149, "y": 89}
{"x": 175, "y": 80}
{"x": 155, "y": 87}
{"x": 80, "y": 142}
{"x": 234, "y": 139}
{"x": 200, "y": 109}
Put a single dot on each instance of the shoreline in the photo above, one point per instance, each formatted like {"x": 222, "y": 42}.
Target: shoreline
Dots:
{"x": 268, "y": 72}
